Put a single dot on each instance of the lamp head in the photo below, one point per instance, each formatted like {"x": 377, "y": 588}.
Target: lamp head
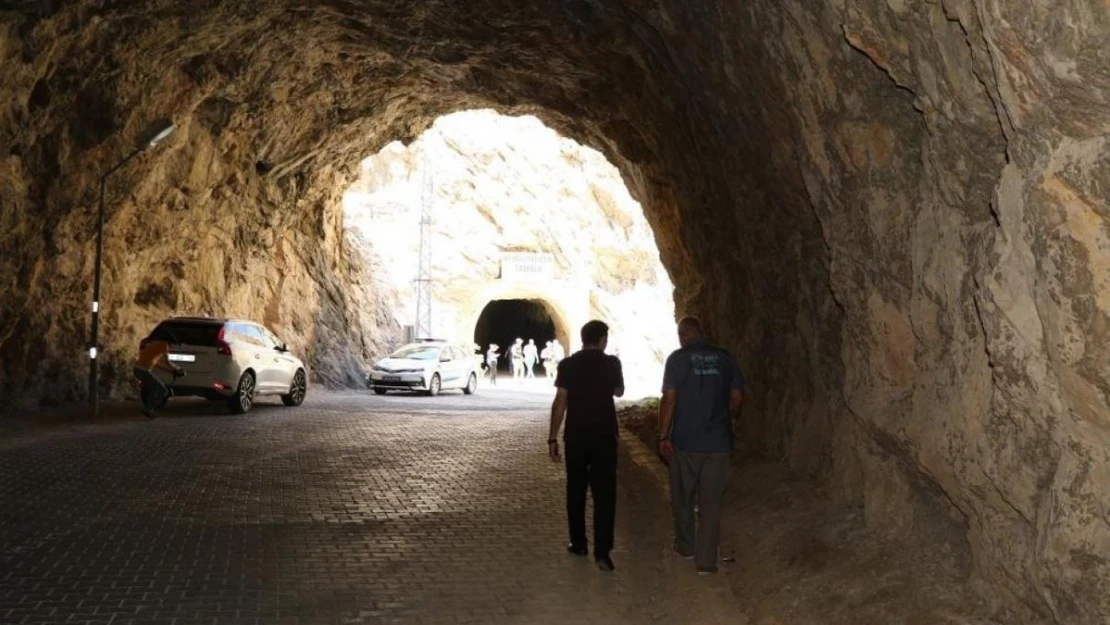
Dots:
{"x": 156, "y": 134}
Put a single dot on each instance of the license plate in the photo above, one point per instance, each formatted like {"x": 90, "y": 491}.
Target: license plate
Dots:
{"x": 392, "y": 378}
{"x": 182, "y": 358}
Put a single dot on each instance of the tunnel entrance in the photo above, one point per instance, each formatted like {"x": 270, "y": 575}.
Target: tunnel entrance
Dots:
{"x": 894, "y": 212}
{"x": 505, "y": 320}
{"x": 504, "y": 228}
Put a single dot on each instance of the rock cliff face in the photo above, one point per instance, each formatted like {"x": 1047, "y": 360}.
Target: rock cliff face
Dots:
{"x": 895, "y": 212}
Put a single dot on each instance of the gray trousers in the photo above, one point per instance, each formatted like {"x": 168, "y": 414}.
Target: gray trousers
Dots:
{"x": 698, "y": 478}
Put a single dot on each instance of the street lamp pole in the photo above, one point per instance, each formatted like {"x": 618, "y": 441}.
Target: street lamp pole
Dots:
{"x": 155, "y": 135}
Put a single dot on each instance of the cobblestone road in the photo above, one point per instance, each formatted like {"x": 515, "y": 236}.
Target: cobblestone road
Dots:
{"x": 350, "y": 509}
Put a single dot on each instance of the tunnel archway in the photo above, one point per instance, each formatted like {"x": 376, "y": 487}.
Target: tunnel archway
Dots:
{"x": 502, "y": 321}
{"x": 890, "y": 210}
{"x": 509, "y": 198}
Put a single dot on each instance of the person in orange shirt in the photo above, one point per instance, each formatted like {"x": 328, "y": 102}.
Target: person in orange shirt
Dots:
{"x": 154, "y": 355}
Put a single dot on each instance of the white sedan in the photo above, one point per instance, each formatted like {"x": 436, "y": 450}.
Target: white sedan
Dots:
{"x": 426, "y": 366}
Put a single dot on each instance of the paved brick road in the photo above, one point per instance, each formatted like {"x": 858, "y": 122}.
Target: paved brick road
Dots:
{"x": 350, "y": 509}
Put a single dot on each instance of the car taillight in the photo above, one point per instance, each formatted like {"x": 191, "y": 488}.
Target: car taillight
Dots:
{"x": 222, "y": 347}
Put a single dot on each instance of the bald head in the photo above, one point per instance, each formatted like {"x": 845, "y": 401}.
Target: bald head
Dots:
{"x": 689, "y": 328}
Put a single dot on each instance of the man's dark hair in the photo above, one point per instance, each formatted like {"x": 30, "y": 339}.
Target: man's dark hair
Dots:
{"x": 593, "y": 332}
{"x": 690, "y": 325}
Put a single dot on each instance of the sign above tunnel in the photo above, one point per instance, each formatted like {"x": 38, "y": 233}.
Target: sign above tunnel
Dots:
{"x": 527, "y": 266}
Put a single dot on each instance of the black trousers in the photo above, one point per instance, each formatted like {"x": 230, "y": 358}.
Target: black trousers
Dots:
{"x": 154, "y": 391}
{"x": 592, "y": 463}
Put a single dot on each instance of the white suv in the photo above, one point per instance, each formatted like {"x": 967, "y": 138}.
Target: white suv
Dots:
{"x": 230, "y": 360}
{"x": 427, "y": 366}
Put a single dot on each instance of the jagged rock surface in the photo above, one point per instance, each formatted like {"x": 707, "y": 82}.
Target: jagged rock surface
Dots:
{"x": 895, "y": 212}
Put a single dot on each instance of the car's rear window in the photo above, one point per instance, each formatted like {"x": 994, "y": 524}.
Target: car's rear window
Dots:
{"x": 188, "y": 332}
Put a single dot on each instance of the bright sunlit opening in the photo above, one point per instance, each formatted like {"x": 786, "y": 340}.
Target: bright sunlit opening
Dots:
{"x": 517, "y": 213}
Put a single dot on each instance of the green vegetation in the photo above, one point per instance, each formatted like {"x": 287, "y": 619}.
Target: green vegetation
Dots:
{"x": 648, "y": 403}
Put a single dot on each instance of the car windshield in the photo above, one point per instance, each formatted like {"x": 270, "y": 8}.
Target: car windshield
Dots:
{"x": 417, "y": 352}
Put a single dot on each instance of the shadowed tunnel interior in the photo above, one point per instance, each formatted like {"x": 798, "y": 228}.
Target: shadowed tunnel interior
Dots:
{"x": 894, "y": 213}
{"x": 503, "y": 321}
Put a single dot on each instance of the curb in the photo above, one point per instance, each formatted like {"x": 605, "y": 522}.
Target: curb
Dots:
{"x": 646, "y": 459}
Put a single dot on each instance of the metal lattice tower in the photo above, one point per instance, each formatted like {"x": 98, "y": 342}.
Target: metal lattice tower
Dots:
{"x": 423, "y": 326}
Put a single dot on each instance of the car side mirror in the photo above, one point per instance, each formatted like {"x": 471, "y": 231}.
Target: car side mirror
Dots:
{"x": 282, "y": 348}
{"x": 445, "y": 359}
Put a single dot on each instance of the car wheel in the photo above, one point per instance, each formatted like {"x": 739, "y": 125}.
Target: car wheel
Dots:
{"x": 380, "y": 391}
{"x": 471, "y": 384}
{"x": 297, "y": 391}
{"x": 243, "y": 399}
{"x": 434, "y": 385}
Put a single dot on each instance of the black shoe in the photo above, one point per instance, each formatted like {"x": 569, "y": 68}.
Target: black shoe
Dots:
{"x": 577, "y": 550}
{"x": 149, "y": 414}
{"x": 604, "y": 563}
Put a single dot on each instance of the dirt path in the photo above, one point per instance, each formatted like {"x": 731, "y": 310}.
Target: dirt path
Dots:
{"x": 801, "y": 559}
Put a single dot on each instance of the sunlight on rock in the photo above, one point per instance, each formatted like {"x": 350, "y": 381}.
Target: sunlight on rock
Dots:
{"x": 506, "y": 190}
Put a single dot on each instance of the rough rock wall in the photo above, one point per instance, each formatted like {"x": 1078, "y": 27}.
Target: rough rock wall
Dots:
{"x": 895, "y": 212}
{"x": 955, "y": 155}
{"x": 190, "y": 229}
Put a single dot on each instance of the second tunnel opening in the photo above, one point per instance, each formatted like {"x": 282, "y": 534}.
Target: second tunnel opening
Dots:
{"x": 504, "y": 321}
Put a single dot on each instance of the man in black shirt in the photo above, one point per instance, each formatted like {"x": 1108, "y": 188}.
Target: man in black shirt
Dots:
{"x": 586, "y": 384}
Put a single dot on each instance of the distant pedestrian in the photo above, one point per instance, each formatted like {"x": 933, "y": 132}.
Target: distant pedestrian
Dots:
{"x": 702, "y": 393}
{"x": 547, "y": 356}
{"x": 557, "y": 352}
{"x": 492, "y": 356}
{"x": 516, "y": 357}
{"x": 530, "y": 357}
{"x": 586, "y": 384}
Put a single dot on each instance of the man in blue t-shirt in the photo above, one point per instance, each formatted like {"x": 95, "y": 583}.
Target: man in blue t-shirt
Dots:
{"x": 702, "y": 392}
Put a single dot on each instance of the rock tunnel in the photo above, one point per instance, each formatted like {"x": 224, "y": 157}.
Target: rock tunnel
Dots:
{"x": 503, "y": 321}
{"x": 894, "y": 212}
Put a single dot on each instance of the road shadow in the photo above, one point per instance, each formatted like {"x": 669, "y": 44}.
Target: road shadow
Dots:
{"x": 195, "y": 407}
